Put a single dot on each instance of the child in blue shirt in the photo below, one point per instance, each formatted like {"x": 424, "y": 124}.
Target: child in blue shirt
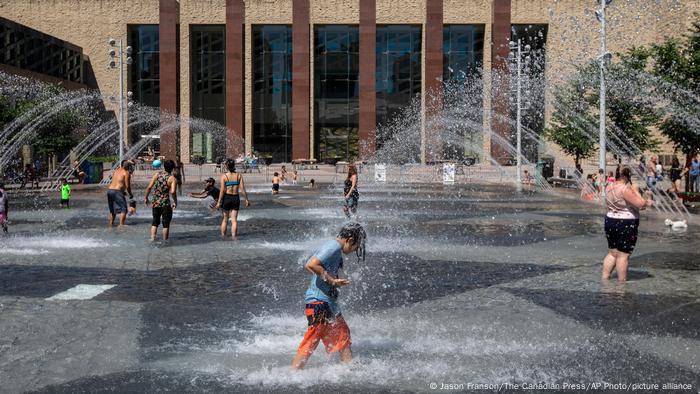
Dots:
{"x": 325, "y": 322}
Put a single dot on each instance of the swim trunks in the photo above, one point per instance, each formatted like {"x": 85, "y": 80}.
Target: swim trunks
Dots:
{"x": 116, "y": 201}
{"x": 323, "y": 327}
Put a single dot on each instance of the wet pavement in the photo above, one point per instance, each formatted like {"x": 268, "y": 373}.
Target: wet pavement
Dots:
{"x": 477, "y": 286}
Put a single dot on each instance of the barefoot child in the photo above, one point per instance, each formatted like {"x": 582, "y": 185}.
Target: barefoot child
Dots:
{"x": 65, "y": 193}
{"x": 325, "y": 322}
{"x": 4, "y": 206}
{"x": 275, "y": 183}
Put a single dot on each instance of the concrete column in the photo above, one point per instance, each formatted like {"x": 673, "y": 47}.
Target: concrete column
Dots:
{"x": 368, "y": 68}
{"x": 248, "y": 88}
{"x": 500, "y": 90}
{"x": 168, "y": 72}
{"x": 300, "y": 80}
{"x": 235, "y": 119}
{"x": 432, "y": 75}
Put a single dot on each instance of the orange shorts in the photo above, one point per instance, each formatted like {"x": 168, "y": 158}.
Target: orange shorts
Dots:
{"x": 335, "y": 335}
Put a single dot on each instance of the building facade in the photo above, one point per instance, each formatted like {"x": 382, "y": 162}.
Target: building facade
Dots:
{"x": 300, "y": 79}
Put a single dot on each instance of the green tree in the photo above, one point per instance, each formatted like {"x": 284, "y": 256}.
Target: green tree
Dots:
{"x": 57, "y": 135}
{"x": 678, "y": 63}
{"x": 630, "y": 116}
{"x": 12, "y": 108}
{"x": 571, "y": 121}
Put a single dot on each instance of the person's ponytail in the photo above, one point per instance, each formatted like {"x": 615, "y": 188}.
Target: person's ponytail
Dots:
{"x": 626, "y": 174}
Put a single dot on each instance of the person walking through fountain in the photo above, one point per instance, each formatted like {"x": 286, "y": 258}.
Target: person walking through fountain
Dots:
{"x": 164, "y": 186}
{"x": 4, "y": 208}
{"x": 622, "y": 223}
{"x": 325, "y": 322}
{"x": 121, "y": 183}
{"x": 350, "y": 193}
{"x": 229, "y": 199}
{"x": 275, "y": 183}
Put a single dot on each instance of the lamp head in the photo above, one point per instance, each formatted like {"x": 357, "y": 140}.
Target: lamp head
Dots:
{"x": 599, "y": 15}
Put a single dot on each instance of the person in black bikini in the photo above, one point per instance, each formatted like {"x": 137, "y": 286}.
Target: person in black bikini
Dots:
{"x": 229, "y": 200}
{"x": 350, "y": 193}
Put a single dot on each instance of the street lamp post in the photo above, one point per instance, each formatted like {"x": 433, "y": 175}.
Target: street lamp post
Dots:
{"x": 117, "y": 59}
{"x": 602, "y": 61}
{"x": 520, "y": 51}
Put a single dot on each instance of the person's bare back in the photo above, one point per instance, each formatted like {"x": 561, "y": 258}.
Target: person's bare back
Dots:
{"x": 120, "y": 179}
{"x": 116, "y": 199}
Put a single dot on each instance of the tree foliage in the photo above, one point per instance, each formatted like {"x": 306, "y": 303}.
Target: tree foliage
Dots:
{"x": 630, "y": 117}
{"x": 678, "y": 63}
{"x": 57, "y": 135}
{"x": 571, "y": 121}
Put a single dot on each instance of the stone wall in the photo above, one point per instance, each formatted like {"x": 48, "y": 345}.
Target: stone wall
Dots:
{"x": 573, "y": 35}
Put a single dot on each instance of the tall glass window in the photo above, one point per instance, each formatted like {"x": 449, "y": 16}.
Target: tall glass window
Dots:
{"x": 272, "y": 91}
{"x": 336, "y": 91}
{"x": 463, "y": 54}
{"x": 398, "y": 71}
{"x": 208, "y": 88}
{"x": 533, "y": 77}
{"x": 144, "y": 74}
{"x": 29, "y": 49}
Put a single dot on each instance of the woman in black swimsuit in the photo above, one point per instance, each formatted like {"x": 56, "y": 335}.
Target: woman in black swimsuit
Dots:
{"x": 350, "y": 193}
{"x": 676, "y": 174}
{"x": 229, "y": 200}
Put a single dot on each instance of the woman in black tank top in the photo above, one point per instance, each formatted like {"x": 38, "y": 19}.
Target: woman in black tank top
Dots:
{"x": 350, "y": 193}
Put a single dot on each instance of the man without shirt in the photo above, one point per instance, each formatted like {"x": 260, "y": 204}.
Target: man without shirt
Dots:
{"x": 116, "y": 199}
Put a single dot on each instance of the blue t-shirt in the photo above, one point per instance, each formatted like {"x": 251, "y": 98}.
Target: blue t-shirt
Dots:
{"x": 331, "y": 256}
{"x": 695, "y": 168}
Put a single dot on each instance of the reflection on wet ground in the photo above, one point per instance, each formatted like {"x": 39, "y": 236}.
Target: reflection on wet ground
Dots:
{"x": 627, "y": 313}
{"x": 462, "y": 284}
